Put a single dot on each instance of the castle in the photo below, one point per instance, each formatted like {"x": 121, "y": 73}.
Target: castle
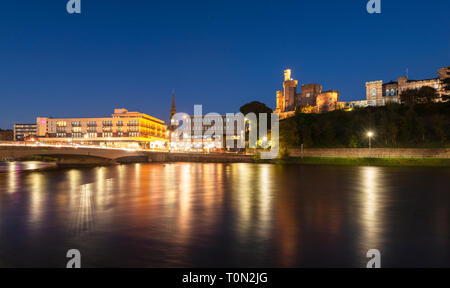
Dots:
{"x": 380, "y": 94}
{"x": 310, "y": 96}
{"x": 311, "y": 99}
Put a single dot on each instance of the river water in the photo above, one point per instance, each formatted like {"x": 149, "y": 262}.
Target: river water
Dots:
{"x": 224, "y": 215}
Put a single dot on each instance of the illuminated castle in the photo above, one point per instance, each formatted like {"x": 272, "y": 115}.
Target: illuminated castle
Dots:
{"x": 311, "y": 96}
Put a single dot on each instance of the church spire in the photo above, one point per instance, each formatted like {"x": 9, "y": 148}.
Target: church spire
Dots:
{"x": 173, "y": 110}
{"x": 173, "y": 121}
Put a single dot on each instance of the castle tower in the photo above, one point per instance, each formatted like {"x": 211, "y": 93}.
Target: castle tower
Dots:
{"x": 280, "y": 102}
{"x": 290, "y": 91}
{"x": 173, "y": 111}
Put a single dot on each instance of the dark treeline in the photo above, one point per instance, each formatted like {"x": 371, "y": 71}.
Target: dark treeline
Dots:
{"x": 394, "y": 125}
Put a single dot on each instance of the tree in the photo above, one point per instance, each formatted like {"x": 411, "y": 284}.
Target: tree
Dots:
{"x": 446, "y": 88}
{"x": 289, "y": 135}
{"x": 392, "y": 133}
{"x": 408, "y": 97}
{"x": 308, "y": 109}
{"x": 446, "y": 84}
{"x": 426, "y": 95}
{"x": 255, "y": 107}
{"x": 353, "y": 143}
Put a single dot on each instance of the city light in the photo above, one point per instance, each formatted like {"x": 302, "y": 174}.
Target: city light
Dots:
{"x": 370, "y": 134}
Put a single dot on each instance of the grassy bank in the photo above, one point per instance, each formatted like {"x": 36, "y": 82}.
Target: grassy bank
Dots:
{"x": 393, "y": 162}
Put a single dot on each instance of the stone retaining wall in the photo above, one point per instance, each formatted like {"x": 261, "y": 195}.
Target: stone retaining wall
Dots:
{"x": 441, "y": 153}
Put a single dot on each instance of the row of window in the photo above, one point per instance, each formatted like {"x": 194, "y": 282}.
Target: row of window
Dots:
{"x": 95, "y": 135}
{"x": 107, "y": 123}
{"x": 393, "y": 92}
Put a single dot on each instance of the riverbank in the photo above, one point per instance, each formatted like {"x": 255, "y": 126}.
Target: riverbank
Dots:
{"x": 385, "y": 162}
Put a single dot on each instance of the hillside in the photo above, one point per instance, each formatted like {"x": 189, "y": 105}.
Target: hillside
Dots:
{"x": 393, "y": 126}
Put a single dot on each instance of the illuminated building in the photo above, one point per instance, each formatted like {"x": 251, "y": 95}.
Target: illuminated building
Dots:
{"x": 21, "y": 131}
{"x": 6, "y": 135}
{"x": 348, "y": 105}
{"x": 327, "y": 101}
{"x": 122, "y": 129}
{"x": 289, "y": 99}
{"x": 209, "y": 132}
{"x": 379, "y": 93}
{"x": 308, "y": 95}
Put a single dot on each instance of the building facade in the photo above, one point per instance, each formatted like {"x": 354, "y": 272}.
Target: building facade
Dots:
{"x": 6, "y": 135}
{"x": 379, "y": 93}
{"x": 209, "y": 133}
{"x": 327, "y": 101}
{"x": 122, "y": 129}
{"x": 309, "y": 94}
{"x": 349, "y": 105}
{"x": 24, "y": 130}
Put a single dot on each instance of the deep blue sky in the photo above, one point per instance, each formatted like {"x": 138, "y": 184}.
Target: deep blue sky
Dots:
{"x": 221, "y": 54}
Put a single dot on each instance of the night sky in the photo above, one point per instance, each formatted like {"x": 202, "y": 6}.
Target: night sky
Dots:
{"x": 221, "y": 54}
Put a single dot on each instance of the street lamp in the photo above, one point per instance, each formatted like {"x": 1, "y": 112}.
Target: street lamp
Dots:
{"x": 370, "y": 134}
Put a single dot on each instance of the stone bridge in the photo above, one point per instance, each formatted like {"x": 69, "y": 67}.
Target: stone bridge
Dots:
{"x": 67, "y": 155}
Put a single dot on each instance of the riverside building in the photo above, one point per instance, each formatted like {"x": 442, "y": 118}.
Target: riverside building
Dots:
{"x": 123, "y": 129}
{"x": 24, "y": 130}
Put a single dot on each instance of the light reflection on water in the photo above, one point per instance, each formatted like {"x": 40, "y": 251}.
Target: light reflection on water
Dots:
{"x": 192, "y": 214}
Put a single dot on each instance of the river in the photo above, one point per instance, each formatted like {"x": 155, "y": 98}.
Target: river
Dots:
{"x": 223, "y": 215}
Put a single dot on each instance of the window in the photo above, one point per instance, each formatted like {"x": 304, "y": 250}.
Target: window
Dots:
{"x": 308, "y": 94}
{"x": 392, "y": 92}
{"x": 436, "y": 86}
{"x": 387, "y": 92}
{"x": 374, "y": 92}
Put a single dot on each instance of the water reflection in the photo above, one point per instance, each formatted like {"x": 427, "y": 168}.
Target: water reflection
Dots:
{"x": 192, "y": 214}
{"x": 371, "y": 187}
{"x": 13, "y": 177}
{"x": 37, "y": 197}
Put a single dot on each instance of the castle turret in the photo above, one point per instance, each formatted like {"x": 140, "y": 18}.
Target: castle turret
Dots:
{"x": 280, "y": 102}
{"x": 290, "y": 91}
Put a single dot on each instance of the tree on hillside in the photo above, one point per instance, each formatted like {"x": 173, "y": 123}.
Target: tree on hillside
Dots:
{"x": 289, "y": 135}
{"x": 308, "y": 109}
{"x": 446, "y": 87}
{"x": 256, "y": 107}
{"x": 408, "y": 97}
{"x": 426, "y": 95}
